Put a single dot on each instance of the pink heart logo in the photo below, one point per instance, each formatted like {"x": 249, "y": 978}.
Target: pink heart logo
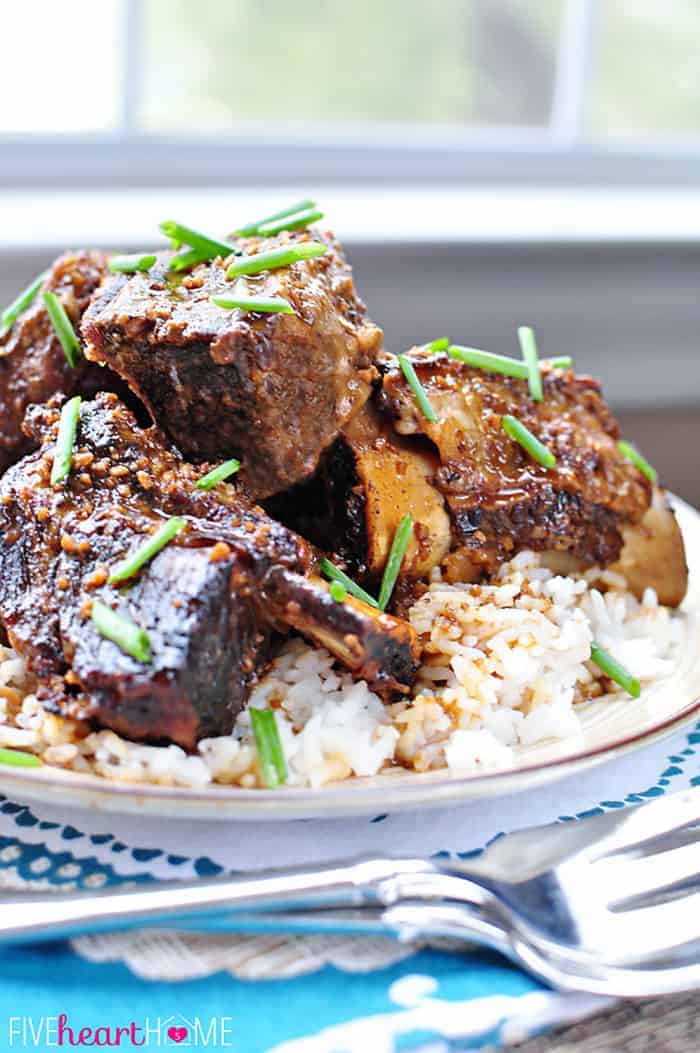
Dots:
{"x": 177, "y": 1034}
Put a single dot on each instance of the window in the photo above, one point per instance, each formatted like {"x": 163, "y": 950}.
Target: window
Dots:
{"x": 171, "y": 91}
{"x": 646, "y": 85}
{"x": 217, "y": 64}
{"x": 61, "y": 66}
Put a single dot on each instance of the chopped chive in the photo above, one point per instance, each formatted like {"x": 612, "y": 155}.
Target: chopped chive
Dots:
{"x": 471, "y": 356}
{"x": 528, "y": 347}
{"x": 612, "y": 669}
{"x": 296, "y": 221}
{"x": 632, "y": 454}
{"x": 10, "y": 315}
{"x": 252, "y": 228}
{"x": 563, "y": 362}
{"x": 537, "y": 450}
{"x": 145, "y": 552}
{"x": 185, "y": 260}
{"x": 259, "y": 304}
{"x": 129, "y": 637}
{"x": 336, "y": 574}
{"x": 63, "y": 326}
{"x": 282, "y": 257}
{"x": 337, "y": 591}
{"x": 218, "y": 474}
{"x": 441, "y": 344}
{"x": 67, "y": 429}
{"x": 19, "y": 759}
{"x": 267, "y": 738}
{"x": 131, "y": 264}
{"x": 196, "y": 240}
{"x": 404, "y": 532}
{"x": 417, "y": 388}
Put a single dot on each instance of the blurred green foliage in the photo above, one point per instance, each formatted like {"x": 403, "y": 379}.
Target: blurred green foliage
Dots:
{"x": 648, "y": 69}
{"x": 212, "y": 64}
{"x": 216, "y": 62}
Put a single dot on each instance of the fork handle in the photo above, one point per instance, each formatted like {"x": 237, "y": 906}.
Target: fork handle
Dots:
{"x": 375, "y": 882}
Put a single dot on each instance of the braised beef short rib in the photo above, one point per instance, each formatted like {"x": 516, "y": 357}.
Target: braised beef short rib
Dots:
{"x": 272, "y": 389}
{"x": 33, "y": 365}
{"x": 210, "y": 601}
{"x": 500, "y": 499}
{"x": 476, "y": 496}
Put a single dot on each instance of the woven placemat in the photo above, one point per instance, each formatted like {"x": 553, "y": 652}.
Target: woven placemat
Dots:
{"x": 668, "y": 1025}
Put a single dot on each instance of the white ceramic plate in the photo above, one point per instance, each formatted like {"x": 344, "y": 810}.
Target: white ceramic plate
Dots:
{"x": 609, "y": 730}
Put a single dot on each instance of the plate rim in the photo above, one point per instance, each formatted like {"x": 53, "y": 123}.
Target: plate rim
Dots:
{"x": 344, "y": 799}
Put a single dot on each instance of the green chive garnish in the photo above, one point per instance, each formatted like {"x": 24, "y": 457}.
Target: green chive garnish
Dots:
{"x": 145, "y": 552}
{"x": 254, "y": 228}
{"x": 297, "y": 221}
{"x": 612, "y": 669}
{"x": 10, "y": 315}
{"x": 441, "y": 344}
{"x": 67, "y": 429}
{"x": 129, "y": 637}
{"x": 528, "y": 347}
{"x": 260, "y": 304}
{"x": 131, "y": 264}
{"x": 267, "y": 738}
{"x": 632, "y": 454}
{"x": 471, "y": 356}
{"x": 563, "y": 362}
{"x": 336, "y": 574}
{"x": 188, "y": 259}
{"x": 417, "y": 388}
{"x": 63, "y": 326}
{"x": 218, "y": 474}
{"x": 537, "y": 450}
{"x": 399, "y": 545}
{"x": 337, "y": 591}
{"x": 19, "y": 759}
{"x": 196, "y": 240}
{"x": 282, "y": 257}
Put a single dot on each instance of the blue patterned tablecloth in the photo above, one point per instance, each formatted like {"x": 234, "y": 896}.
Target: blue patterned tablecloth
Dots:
{"x": 256, "y": 994}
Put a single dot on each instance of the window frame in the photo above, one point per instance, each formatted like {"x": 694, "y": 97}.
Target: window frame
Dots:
{"x": 556, "y": 154}
{"x": 362, "y": 155}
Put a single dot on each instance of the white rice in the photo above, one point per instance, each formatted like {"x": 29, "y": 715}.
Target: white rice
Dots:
{"x": 504, "y": 665}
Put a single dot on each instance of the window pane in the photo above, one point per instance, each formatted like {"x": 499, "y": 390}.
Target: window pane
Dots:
{"x": 648, "y": 75}
{"x": 60, "y": 66}
{"x": 216, "y": 63}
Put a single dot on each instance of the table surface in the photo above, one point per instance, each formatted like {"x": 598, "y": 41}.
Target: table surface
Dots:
{"x": 669, "y": 1025}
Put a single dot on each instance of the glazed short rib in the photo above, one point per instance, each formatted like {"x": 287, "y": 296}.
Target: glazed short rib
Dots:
{"x": 33, "y": 365}
{"x": 272, "y": 389}
{"x": 476, "y": 496}
{"x": 500, "y": 499}
{"x": 210, "y": 601}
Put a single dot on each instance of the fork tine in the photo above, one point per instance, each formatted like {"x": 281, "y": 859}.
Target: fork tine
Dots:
{"x": 610, "y": 980}
{"x": 527, "y": 851}
{"x": 647, "y": 931}
{"x": 639, "y": 826}
{"x": 626, "y": 878}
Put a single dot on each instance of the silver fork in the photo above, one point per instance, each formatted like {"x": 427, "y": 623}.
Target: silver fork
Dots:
{"x": 608, "y": 905}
